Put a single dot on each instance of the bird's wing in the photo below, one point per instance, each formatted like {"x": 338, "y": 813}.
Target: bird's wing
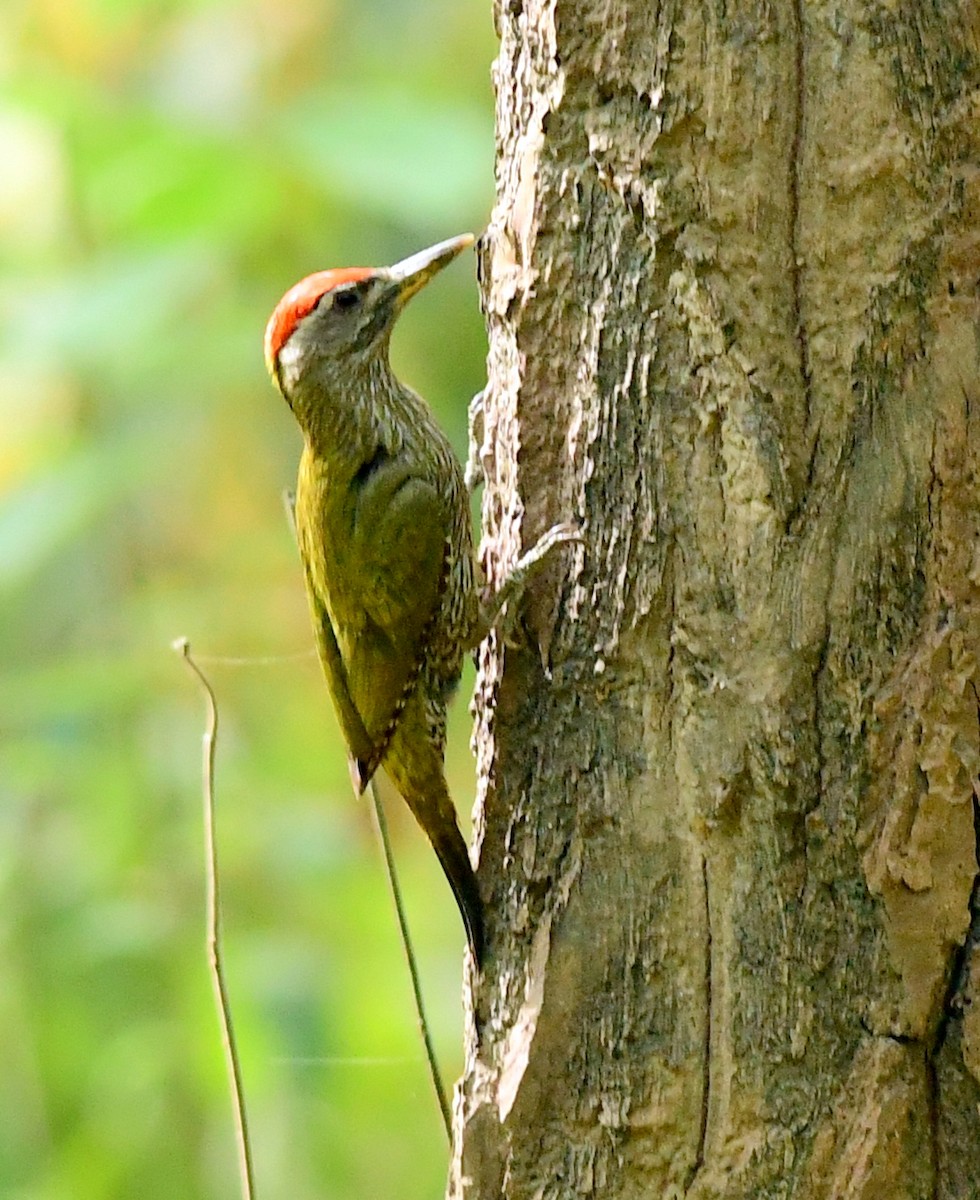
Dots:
{"x": 375, "y": 574}
{"x": 400, "y": 527}
{"x": 359, "y": 743}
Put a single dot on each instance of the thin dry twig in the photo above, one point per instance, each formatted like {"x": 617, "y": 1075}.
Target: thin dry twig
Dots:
{"x": 183, "y": 648}
{"x": 381, "y": 824}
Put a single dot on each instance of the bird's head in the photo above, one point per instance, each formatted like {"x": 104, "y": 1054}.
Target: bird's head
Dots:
{"x": 332, "y": 323}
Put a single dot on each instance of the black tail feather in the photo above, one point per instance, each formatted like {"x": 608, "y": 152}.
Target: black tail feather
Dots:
{"x": 455, "y": 862}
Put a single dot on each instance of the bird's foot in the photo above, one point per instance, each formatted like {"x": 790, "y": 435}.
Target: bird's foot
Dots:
{"x": 498, "y": 609}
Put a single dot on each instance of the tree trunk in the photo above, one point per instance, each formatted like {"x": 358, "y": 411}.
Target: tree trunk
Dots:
{"x": 727, "y": 815}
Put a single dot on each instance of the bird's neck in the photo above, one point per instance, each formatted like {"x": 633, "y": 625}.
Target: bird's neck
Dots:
{"x": 350, "y": 408}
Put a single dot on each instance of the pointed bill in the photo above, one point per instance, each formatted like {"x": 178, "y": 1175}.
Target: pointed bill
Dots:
{"x": 414, "y": 272}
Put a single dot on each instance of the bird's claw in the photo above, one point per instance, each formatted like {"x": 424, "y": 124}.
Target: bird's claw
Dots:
{"x": 557, "y": 535}
{"x": 509, "y": 593}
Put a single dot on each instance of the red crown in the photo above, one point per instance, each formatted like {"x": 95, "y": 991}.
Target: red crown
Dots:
{"x": 299, "y": 302}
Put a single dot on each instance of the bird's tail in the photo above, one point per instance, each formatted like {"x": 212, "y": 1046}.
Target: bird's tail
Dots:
{"x": 454, "y": 859}
{"x": 414, "y": 763}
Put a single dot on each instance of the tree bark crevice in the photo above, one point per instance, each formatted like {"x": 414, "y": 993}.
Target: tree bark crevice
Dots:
{"x": 797, "y": 259}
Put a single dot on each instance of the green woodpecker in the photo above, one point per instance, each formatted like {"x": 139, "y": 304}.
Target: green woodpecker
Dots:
{"x": 383, "y": 524}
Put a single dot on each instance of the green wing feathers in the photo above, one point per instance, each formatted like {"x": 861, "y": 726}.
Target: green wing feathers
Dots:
{"x": 375, "y": 576}
{"x": 359, "y": 742}
{"x": 400, "y": 545}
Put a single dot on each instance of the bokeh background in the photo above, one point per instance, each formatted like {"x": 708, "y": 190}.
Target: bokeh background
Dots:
{"x": 166, "y": 171}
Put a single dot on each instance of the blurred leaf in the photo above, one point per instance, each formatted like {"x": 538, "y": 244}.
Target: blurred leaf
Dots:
{"x": 108, "y": 313}
{"x": 402, "y": 158}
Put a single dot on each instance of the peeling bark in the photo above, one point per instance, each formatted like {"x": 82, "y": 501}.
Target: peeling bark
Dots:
{"x": 727, "y": 820}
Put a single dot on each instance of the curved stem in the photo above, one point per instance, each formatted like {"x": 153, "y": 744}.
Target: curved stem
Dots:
{"x": 381, "y": 824}
{"x": 183, "y": 648}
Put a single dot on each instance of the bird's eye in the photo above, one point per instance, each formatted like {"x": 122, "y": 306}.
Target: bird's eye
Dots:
{"x": 348, "y": 298}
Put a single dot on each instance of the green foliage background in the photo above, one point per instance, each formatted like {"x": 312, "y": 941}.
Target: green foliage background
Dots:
{"x": 166, "y": 171}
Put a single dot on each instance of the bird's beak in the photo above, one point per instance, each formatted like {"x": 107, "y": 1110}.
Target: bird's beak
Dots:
{"x": 413, "y": 273}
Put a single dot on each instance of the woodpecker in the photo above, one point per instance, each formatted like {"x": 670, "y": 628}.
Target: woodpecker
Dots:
{"x": 382, "y": 520}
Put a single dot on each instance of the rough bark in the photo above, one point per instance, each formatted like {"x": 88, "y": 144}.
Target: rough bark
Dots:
{"x": 728, "y": 827}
